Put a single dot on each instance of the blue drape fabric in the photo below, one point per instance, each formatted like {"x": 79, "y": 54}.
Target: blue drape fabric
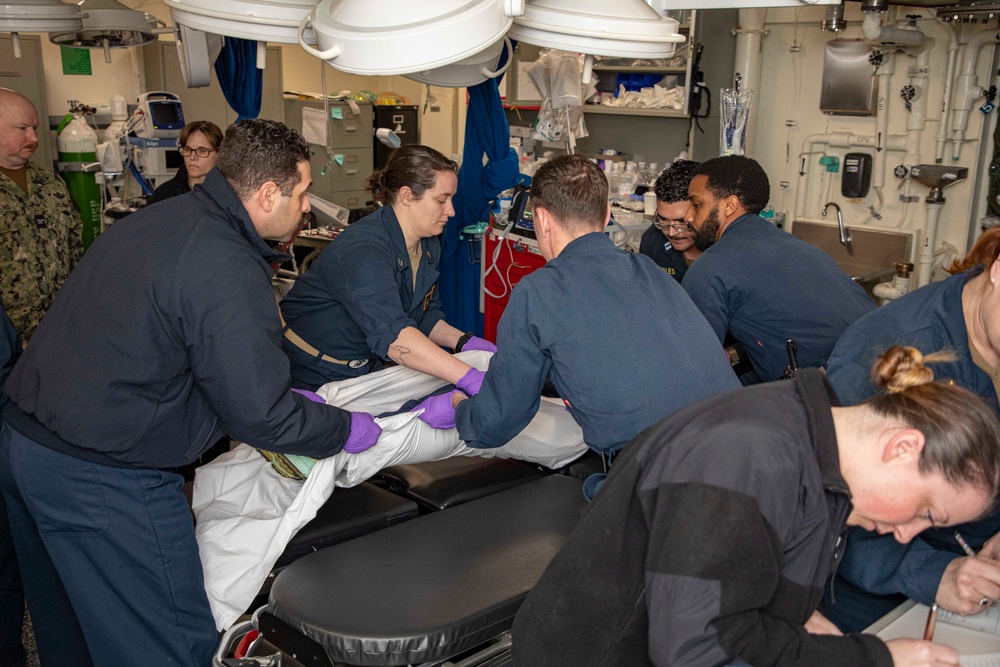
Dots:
{"x": 241, "y": 81}
{"x": 486, "y": 134}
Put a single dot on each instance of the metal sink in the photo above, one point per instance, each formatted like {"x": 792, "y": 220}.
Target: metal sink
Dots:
{"x": 871, "y": 256}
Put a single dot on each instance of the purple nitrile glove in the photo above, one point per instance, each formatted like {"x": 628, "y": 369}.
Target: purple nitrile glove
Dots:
{"x": 364, "y": 433}
{"x": 438, "y": 410}
{"x": 312, "y": 396}
{"x": 471, "y": 382}
{"x": 477, "y": 343}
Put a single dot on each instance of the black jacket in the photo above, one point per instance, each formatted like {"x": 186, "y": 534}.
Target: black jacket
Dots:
{"x": 709, "y": 542}
{"x": 165, "y": 337}
{"x": 178, "y": 185}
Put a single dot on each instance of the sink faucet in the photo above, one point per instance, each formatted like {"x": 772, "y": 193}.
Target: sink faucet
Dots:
{"x": 845, "y": 234}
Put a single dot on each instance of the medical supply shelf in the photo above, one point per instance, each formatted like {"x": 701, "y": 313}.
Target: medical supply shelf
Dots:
{"x": 641, "y": 70}
{"x": 650, "y": 135}
{"x": 626, "y": 111}
{"x": 521, "y": 95}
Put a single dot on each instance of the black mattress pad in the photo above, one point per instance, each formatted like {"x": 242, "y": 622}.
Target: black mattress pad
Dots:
{"x": 429, "y": 588}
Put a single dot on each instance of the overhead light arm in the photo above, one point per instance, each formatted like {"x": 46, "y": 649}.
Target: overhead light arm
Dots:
{"x": 110, "y": 24}
{"x": 37, "y": 16}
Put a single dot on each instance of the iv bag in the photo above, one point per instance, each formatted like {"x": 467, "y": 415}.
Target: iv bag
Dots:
{"x": 735, "y": 112}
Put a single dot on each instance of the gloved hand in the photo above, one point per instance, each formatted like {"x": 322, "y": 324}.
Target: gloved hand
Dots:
{"x": 314, "y": 397}
{"x": 438, "y": 410}
{"x": 471, "y": 382}
{"x": 477, "y": 343}
{"x": 364, "y": 433}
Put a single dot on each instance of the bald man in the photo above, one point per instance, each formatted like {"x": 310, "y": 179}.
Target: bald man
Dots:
{"x": 40, "y": 241}
{"x": 41, "y": 234}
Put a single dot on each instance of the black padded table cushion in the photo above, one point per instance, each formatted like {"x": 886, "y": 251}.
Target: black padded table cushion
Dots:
{"x": 436, "y": 485}
{"x": 348, "y": 513}
{"x": 428, "y": 588}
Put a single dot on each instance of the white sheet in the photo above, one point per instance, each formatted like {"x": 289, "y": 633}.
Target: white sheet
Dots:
{"x": 247, "y": 512}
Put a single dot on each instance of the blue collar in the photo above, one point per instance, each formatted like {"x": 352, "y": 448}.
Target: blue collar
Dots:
{"x": 218, "y": 189}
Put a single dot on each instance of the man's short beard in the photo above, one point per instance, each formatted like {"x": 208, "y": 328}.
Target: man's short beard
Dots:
{"x": 709, "y": 232}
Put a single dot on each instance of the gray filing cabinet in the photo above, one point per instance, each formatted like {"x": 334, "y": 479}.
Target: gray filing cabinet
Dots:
{"x": 340, "y": 180}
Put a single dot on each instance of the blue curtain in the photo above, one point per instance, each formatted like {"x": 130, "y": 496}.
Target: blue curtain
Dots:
{"x": 486, "y": 133}
{"x": 239, "y": 77}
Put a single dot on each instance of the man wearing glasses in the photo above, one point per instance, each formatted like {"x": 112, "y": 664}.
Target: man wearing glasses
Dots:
{"x": 670, "y": 242}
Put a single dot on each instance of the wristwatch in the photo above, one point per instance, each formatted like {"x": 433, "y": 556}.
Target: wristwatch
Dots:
{"x": 465, "y": 338}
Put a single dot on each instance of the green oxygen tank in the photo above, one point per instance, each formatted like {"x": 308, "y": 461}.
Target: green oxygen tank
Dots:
{"x": 77, "y": 144}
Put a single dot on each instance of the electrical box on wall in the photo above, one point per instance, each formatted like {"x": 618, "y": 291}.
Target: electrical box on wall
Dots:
{"x": 848, "y": 85}
{"x": 857, "y": 177}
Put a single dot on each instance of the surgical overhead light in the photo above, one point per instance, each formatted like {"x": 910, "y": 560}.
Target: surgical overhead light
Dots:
{"x": 620, "y": 28}
{"x": 469, "y": 71}
{"x": 107, "y": 25}
{"x": 383, "y": 37}
{"x": 259, "y": 20}
{"x": 37, "y": 16}
{"x": 200, "y": 22}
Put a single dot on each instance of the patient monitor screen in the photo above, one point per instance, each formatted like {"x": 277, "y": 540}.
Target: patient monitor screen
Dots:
{"x": 524, "y": 219}
{"x": 165, "y": 114}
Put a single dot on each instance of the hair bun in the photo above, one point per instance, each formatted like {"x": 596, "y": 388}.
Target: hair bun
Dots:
{"x": 901, "y": 367}
{"x": 376, "y": 185}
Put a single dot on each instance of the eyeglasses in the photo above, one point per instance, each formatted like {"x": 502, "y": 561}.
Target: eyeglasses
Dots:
{"x": 201, "y": 151}
{"x": 676, "y": 227}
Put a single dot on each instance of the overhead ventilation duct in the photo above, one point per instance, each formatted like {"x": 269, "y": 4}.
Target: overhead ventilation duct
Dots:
{"x": 384, "y": 37}
{"x": 37, "y": 16}
{"x": 618, "y": 28}
{"x": 107, "y": 25}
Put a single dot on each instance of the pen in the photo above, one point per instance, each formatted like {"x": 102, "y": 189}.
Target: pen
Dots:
{"x": 969, "y": 552}
{"x": 965, "y": 545}
{"x": 931, "y": 621}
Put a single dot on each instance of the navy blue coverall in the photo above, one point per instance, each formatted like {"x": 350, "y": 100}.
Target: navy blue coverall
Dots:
{"x": 356, "y": 298}
{"x": 622, "y": 342}
{"x": 878, "y": 572}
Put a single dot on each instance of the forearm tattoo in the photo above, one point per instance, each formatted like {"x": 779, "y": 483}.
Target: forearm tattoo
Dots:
{"x": 397, "y": 353}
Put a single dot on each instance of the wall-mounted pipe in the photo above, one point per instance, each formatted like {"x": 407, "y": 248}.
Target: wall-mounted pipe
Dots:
{"x": 967, "y": 88}
{"x": 927, "y": 251}
{"x": 915, "y": 124}
{"x": 942, "y": 134}
{"x": 895, "y": 143}
{"x": 749, "y": 35}
{"x": 874, "y": 31}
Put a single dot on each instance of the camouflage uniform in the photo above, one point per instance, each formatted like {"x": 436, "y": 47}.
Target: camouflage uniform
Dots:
{"x": 40, "y": 242}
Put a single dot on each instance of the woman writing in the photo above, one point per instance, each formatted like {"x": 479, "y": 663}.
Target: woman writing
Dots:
{"x": 199, "y": 143}
{"x": 372, "y": 294}
{"x": 712, "y": 538}
{"x": 961, "y": 314}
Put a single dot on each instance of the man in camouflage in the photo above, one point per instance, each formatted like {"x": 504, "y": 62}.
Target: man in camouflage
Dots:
{"x": 40, "y": 230}
{"x": 40, "y": 241}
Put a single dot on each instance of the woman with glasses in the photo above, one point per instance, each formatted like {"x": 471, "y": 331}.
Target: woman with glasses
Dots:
{"x": 674, "y": 253}
{"x": 199, "y": 146}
